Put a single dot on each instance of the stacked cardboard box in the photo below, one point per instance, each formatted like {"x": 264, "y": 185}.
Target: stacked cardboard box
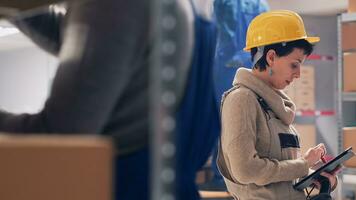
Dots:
{"x": 302, "y": 90}
{"x": 305, "y": 89}
{"x": 348, "y": 33}
{"x": 349, "y": 72}
{"x": 352, "y": 6}
{"x": 350, "y": 141}
{"x": 205, "y": 174}
{"x": 55, "y": 167}
{"x": 307, "y": 135}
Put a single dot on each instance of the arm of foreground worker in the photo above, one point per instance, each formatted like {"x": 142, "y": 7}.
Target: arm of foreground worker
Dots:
{"x": 101, "y": 46}
{"x": 239, "y": 119}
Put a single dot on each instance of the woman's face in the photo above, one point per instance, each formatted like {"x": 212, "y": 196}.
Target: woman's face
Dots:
{"x": 286, "y": 68}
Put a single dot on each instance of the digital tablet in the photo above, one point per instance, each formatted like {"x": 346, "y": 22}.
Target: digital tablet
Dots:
{"x": 327, "y": 167}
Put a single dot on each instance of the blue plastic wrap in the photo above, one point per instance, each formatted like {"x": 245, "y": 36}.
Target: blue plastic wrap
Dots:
{"x": 232, "y": 19}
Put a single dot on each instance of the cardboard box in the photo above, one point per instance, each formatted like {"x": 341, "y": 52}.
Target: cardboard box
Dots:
{"x": 55, "y": 168}
{"x": 307, "y": 71}
{"x": 200, "y": 177}
{"x": 304, "y": 83}
{"x": 352, "y": 6}
{"x": 204, "y": 175}
{"x": 302, "y": 90}
{"x": 307, "y": 135}
{"x": 305, "y": 99}
{"x": 350, "y": 140}
{"x": 349, "y": 72}
{"x": 305, "y": 89}
{"x": 348, "y": 36}
{"x": 307, "y": 78}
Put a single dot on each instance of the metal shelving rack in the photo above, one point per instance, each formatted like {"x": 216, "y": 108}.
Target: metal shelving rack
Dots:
{"x": 348, "y": 175}
{"x": 349, "y": 96}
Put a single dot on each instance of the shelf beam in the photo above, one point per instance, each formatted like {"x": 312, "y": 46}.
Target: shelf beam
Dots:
{"x": 349, "y": 96}
{"x": 348, "y": 17}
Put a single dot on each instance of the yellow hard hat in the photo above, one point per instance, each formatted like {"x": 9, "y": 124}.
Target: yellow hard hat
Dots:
{"x": 275, "y": 27}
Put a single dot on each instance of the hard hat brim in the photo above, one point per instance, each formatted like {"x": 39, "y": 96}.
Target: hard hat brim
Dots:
{"x": 311, "y": 40}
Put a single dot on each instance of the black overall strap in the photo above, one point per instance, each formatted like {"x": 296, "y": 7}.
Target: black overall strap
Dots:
{"x": 264, "y": 106}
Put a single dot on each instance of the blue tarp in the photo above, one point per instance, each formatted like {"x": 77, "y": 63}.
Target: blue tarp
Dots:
{"x": 232, "y": 19}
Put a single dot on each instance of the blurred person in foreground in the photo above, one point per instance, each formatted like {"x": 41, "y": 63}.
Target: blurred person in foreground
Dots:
{"x": 102, "y": 85}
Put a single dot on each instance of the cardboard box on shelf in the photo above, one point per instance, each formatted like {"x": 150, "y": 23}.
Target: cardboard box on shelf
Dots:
{"x": 307, "y": 78}
{"x": 55, "y": 167}
{"x": 302, "y": 90}
{"x": 205, "y": 174}
{"x": 348, "y": 33}
{"x": 305, "y": 105}
{"x": 350, "y": 141}
{"x": 305, "y": 83}
{"x": 307, "y": 135}
{"x": 305, "y": 89}
{"x": 305, "y": 99}
{"x": 352, "y": 6}
{"x": 200, "y": 177}
{"x": 349, "y": 79}
{"x": 307, "y": 71}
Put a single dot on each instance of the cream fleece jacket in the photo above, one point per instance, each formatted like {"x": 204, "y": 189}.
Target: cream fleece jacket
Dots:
{"x": 246, "y": 137}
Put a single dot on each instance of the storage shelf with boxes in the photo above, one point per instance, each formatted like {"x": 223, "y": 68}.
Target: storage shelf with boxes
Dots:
{"x": 303, "y": 94}
{"x": 346, "y": 95}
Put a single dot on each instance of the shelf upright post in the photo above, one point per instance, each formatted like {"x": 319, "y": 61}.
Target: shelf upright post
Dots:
{"x": 163, "y": 80}
{"x": 339, "y": 98}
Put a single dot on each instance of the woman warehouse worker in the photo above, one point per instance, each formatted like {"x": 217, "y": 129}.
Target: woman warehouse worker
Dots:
{"x": 259, "y": 155}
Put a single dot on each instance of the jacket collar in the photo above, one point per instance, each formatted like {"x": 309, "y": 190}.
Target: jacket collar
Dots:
{"x": 277, "y": 100}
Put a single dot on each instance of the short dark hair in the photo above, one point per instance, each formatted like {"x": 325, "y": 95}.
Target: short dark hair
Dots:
{"x": 281, "y": 50}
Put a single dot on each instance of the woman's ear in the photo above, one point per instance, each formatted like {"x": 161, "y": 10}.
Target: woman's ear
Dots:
{"x": 270, "y": 57}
